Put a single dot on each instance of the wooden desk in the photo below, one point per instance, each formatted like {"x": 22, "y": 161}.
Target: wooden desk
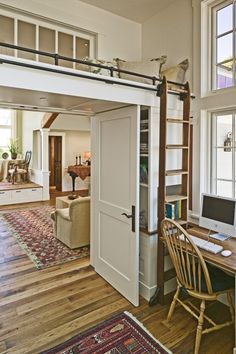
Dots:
{"x": 78, "y": 171}
{"x": 226, "y": 263}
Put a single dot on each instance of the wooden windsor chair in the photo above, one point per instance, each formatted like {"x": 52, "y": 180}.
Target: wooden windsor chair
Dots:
{"x": 198, "y": 280}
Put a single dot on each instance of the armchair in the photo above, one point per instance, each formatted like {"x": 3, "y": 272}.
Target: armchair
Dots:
{"x": 72, "y": 225}
{"x": 21, "y": 169}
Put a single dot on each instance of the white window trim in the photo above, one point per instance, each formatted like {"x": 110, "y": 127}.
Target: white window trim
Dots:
{"x": 50, "y": 24}
{"x": 213, "y": 176}
{"x": 206, "y": 50}
{"x": 11, "y": 126}
{"x": 205, "y": 152}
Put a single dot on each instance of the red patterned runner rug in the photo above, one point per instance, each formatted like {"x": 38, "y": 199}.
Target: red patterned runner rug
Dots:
{"x": 33, "y": 229}
{"x": 122, "y": 334}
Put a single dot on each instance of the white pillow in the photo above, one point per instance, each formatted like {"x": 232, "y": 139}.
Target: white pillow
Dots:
{"x": 146, "y": 67}
{"x": 176, "y": 73}
{"x": 97, "y": 70}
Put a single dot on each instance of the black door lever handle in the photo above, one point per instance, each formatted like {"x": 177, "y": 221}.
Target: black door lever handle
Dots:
{"x": 128, "y": 216}
{"x": 131, "y": 216}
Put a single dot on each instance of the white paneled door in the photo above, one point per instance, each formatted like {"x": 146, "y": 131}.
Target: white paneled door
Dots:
{"x": 115, "y": 199}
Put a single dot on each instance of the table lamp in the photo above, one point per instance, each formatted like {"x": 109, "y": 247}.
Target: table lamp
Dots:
{"x": 87, "y": 156}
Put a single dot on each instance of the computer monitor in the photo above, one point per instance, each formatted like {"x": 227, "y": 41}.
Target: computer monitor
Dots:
{"x": 218, "y": 214}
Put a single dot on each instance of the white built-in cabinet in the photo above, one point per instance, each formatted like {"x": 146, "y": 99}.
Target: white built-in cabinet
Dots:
{"x": 23, "y": 195}
{"x": 149, "y": 152}
{"x": 149, "y": 171}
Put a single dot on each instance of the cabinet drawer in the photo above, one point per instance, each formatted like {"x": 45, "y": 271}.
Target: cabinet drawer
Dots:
{"x": 34, "y": 194}
{"x": 18, "y": 194}
{"x": 5, "y": 196}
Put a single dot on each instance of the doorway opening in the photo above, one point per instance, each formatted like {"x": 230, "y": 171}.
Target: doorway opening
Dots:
{"x": 55, "y": 162}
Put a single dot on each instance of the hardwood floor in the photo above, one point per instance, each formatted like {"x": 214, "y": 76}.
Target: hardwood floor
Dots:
{"x": 42, "y": 308}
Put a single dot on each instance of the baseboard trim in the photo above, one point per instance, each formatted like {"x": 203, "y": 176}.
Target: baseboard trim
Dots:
{"x": 145, "y": 291}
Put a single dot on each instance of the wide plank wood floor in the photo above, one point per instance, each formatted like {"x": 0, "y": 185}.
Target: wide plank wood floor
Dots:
{"x": 42, "y": 308}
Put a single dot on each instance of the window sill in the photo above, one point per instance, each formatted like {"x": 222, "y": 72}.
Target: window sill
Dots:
{"x": 219, "y": 92}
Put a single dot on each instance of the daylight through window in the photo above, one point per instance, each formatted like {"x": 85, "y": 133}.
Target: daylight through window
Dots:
{"x": 224, "y": 43}
{"x": 6, "y": 128}
{"x": 224, "y": 154}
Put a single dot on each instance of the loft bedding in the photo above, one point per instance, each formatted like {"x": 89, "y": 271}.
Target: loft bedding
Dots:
{"x": 152, "y": 68}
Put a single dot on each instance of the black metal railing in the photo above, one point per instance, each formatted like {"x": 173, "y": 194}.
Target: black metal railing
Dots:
{"x": 57, "y": 58}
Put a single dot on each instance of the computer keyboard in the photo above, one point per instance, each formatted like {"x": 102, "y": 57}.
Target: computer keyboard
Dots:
{"x": 204, "y": 244}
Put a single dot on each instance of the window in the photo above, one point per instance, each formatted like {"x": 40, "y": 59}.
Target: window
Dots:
{"x": 47, "y": 36}
{"x": 7, "y": 120}
{"x": 223, "y": 156}
{"x": 224, "y": 45}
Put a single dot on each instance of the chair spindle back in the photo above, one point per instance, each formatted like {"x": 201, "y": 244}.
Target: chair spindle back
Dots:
{"x": 189, "y": 264}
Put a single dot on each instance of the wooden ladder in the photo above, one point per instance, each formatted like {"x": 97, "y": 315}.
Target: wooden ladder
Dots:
{"x": 183, "y": 189}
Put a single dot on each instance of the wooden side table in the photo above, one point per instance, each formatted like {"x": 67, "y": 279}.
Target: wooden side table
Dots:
{"x": 78, "y": 171}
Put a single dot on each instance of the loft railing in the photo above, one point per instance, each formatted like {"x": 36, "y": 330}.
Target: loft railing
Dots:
{"x": 57, "y": 58}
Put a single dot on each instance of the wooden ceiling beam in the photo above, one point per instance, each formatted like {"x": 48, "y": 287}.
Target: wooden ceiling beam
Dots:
{"x": 48, "y": 119}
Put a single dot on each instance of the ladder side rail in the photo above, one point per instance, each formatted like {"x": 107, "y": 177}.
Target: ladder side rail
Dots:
{"x": 161, "y": 189}
{"x": 186, "y": 153}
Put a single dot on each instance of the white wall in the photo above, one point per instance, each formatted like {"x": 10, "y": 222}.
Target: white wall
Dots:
{"x": 176, "y": 32}
{"x": 117, "y": 36}
{"x": 30, "y": 121}
{"x": 77, "y": 140}
{"x": 71, "y": 122}
{"x": 169, "y": 32}
{"x": 76, "y": 143}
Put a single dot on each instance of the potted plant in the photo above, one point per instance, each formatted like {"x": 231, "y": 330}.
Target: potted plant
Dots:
{"x": 13, "y": 147}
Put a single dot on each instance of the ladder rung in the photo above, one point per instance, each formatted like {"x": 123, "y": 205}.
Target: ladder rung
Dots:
{"x": 177, "y": 91}
{"x": 175, "y": 197}
{"x": 177, "y": 120}
{"x": 176, "y": 172}
{"x": 177, "y": 146}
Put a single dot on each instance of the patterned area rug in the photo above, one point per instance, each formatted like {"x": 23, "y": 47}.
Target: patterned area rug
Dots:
{"x": 33, "y": 228}
{"x": 121, "y": 334}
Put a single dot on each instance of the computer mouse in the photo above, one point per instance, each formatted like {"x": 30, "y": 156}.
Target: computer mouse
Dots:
{"x": 226, "y": 253}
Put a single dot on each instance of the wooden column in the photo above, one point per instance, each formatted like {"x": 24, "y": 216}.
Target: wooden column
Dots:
{"x": 45, "y": 166}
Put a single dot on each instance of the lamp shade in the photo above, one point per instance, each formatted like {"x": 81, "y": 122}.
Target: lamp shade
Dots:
{"x": 87, "y": 155}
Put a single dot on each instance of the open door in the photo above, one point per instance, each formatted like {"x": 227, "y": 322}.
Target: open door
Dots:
{"x": 115, "y": 199}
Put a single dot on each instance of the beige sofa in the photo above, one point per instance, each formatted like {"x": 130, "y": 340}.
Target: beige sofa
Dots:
{"x": 72, "y": 225}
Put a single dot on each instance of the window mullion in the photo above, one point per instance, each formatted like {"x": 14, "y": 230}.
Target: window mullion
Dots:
{"x": 233, "y": 155}
{"x": 223, "y": 76}
{"x": 233, "y": 73}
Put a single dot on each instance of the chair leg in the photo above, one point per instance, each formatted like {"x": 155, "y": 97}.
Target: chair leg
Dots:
{"x": 231, "y": 306}
{"x": 172, "y": 306}
{"x": 199, "y": 327}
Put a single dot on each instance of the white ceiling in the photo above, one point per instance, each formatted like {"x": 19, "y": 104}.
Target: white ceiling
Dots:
{"x": 47, "y": 102}
{"x": 135, "y": 10}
